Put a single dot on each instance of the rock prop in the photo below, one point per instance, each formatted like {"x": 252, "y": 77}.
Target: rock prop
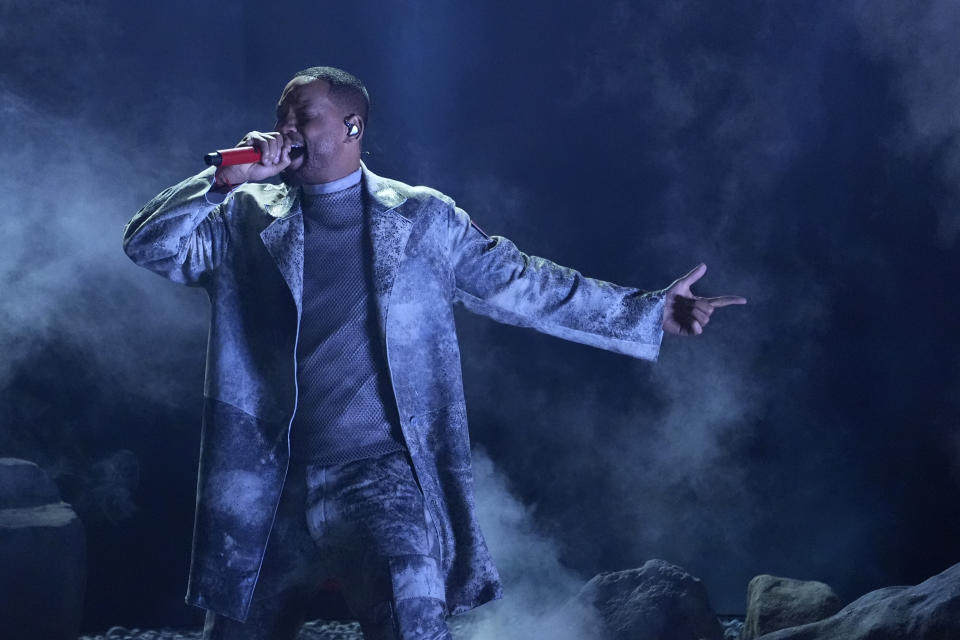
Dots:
{"x": 779, "y": 603}
{"x": 658, "y": 601}
{"x": 43, "y": 555}
{"x": 927, "y": 611}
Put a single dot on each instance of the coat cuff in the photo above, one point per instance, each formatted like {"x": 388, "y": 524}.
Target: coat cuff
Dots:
{"x": 215, "y": 197}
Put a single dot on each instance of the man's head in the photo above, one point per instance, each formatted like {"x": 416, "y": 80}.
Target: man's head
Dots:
{"x": 325, "y": 110}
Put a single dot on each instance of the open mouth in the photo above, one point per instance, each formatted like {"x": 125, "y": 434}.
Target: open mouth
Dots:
{"x": 296, "y": 150}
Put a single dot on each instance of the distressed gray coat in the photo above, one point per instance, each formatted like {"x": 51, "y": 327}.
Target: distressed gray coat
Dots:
{"x": 247, "y": 253}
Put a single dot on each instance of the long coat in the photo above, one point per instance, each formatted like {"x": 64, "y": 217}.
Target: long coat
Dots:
{"x": 247, "y": 253}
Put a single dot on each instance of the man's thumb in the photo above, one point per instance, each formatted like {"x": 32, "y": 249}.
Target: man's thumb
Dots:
{"x": 695, "y": 274}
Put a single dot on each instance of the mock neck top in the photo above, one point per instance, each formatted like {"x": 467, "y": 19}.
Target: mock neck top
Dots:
{"x": 334, "y": 185}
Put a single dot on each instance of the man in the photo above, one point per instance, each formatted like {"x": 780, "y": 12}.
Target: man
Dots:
{"x": 334, "y": 449}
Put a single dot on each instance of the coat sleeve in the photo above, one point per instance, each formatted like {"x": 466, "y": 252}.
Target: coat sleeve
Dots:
{"x": 180, "y": 233}
{"x": 495, "y": 279}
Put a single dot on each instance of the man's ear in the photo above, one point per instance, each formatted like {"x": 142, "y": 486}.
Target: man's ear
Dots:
{"x": 354, "y": 125}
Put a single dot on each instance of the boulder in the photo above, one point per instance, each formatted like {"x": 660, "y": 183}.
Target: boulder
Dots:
{"x": 658, "y": 601}
{"x": 43, "y": 555}
{"x": 779, "y": 603}
{"x": 927, "y": 611}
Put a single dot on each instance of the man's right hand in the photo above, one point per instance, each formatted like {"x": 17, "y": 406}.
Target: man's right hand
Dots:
{"x": 686, "y": 314}
{"x": 274, "y": 151}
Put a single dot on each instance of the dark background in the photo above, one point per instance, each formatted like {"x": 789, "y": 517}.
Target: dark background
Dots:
{"x": 807, "y": 151}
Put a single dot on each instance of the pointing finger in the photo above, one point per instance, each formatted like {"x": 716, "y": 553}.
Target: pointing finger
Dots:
{"x": 722, "y": 301}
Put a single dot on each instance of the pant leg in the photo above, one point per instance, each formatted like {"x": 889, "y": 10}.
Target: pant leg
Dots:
{"x": 289, "y": 577}
{"x": 370, "y": 519}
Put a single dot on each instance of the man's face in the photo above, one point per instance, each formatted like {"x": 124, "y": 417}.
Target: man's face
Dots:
{"x": 306, "y": 115}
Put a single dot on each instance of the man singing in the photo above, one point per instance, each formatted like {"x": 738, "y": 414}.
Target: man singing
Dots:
{"x": 334, "y": 450}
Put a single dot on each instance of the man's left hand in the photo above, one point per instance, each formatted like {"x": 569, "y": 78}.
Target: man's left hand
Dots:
{"x": 686, "y": 314}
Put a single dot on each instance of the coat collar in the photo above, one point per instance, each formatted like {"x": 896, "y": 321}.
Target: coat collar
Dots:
{"x": 387, "y": 226}
{"x": 380, "y": 194}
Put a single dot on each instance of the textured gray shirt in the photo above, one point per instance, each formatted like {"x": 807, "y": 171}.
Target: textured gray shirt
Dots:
{"x": 345, "y": 408}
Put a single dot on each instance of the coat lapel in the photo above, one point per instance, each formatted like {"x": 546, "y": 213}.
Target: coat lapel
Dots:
{"x": 283, "y": 239}
{"x": 387, "y": 231}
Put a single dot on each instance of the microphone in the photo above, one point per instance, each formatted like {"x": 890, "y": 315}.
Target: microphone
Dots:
{"x": 242, "y": 155}
{"x": 228, "y": 157}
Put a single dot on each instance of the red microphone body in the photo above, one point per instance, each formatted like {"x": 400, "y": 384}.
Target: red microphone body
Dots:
{"x": 228, "y": 157}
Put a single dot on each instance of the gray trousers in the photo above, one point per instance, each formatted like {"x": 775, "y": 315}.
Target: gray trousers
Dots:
{"x": 362, "y": 524}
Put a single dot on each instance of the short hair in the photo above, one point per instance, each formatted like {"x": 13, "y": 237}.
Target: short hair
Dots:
{"x": 345, "y": 89}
